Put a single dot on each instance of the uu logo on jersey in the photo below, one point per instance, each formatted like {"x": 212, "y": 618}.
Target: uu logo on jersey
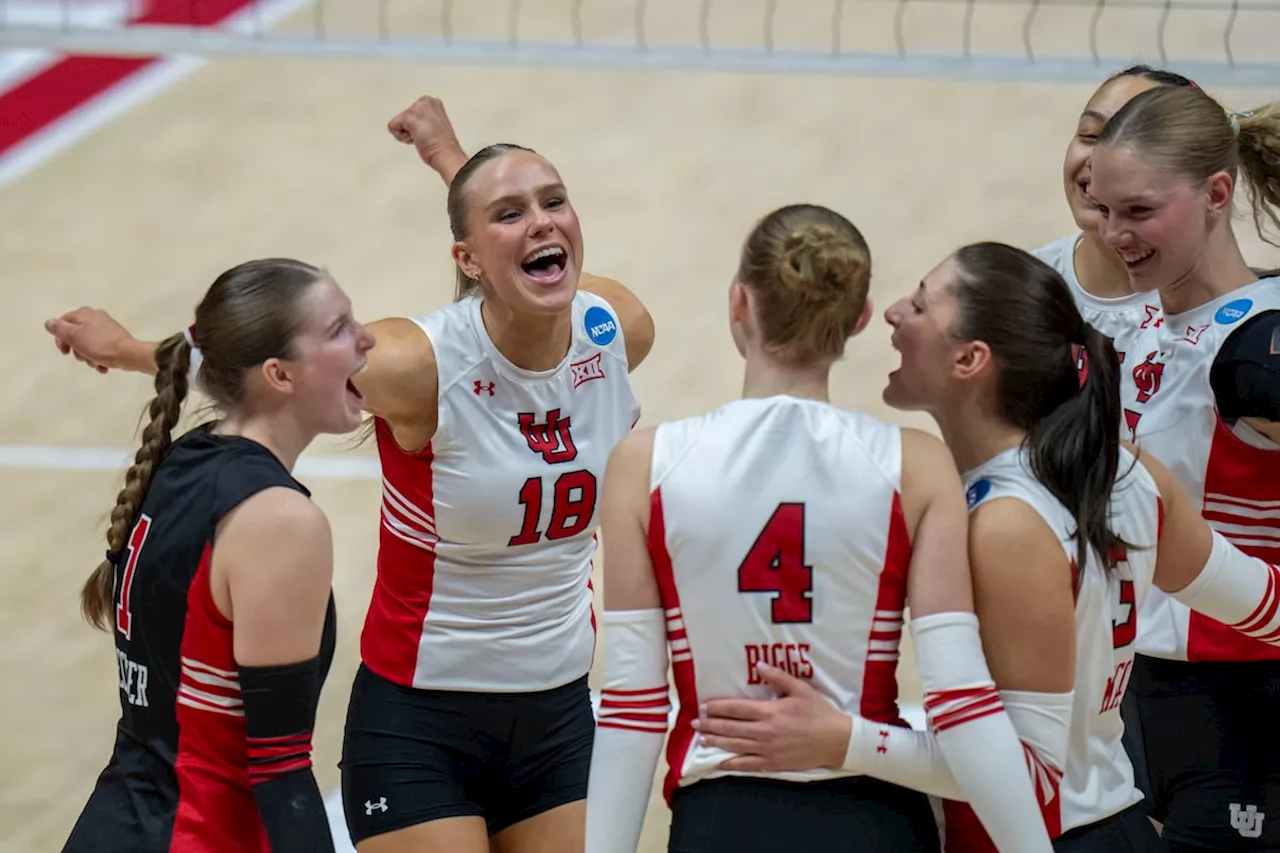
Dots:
{"x": 600, "y": 325}
{"x": 975, "y": 493}
{"x": 1233, "y": 311}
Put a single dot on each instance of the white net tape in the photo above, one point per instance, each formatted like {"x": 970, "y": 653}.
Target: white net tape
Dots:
{"x": 1213, "y": 41}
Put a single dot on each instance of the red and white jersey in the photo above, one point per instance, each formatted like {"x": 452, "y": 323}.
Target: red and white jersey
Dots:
{"x": 777, "y": 534}
{"x": 1120, "y": 318}
{"x": 1169, "y": 412}
{"x": 488, "y": 533}
{"x": 1097, "y": 779}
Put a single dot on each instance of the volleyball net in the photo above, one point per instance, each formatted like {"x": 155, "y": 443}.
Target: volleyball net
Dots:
{"x": 1217, "y": 42}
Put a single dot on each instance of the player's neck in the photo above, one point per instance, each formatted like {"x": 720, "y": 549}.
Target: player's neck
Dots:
{"x": 282, "y": 436}
{"x": 1099, "y": 269}
{"x": 767, "y": 378}
{"x": 530, "y": 342}
{"x": 976, "y": 436}
{"x": 1220, "y": 270}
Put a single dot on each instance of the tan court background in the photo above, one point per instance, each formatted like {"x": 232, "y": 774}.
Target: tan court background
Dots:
{"x": 256, "y": 157}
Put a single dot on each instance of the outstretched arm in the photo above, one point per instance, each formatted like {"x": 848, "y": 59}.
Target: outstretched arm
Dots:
{"x": 1198, "y": 566}
{"x": 634, "y": 702}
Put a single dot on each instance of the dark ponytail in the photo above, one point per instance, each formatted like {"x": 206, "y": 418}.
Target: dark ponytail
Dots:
{"x": 1075, "y": 450}
{"x": 1058, "y": 379}
{"x": 173, "y": 360}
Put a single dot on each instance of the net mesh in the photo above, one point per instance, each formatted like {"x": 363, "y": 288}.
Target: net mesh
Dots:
{"x": 1213, "y": 41}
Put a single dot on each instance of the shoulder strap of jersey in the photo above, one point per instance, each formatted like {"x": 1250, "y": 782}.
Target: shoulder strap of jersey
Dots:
{"x": 242, "y": 472}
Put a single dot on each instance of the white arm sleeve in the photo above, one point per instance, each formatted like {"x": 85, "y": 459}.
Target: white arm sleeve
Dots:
{"x": 975, "y": 732}
{"x": 630, "y": 728}
{"x": 913, "y": 759}
{"x": 1239, "y": 591}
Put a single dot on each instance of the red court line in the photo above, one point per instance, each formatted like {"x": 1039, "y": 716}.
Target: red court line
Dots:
{"x": 73, "y": 81}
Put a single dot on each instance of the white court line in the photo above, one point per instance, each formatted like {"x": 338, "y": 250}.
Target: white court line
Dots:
{"x": 47, "y": 457}
{"x": 912, "y": 712}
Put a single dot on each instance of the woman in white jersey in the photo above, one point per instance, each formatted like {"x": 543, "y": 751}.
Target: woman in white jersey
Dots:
{"x": 1093, "y": 270}
{"x": 470, "y": 717}
{"x": 1025, "y": 393}
{"x": 781, "y": 530}
{"x": 1165, "y": 171}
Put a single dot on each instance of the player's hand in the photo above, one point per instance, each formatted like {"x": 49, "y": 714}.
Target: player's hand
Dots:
{"x": 90, "y": 334}
{"x": 426, "y": 126}
{"x": 800, "y": 730}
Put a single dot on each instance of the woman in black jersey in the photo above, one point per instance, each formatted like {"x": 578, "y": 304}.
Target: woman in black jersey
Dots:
{"x": 216, "y": 585}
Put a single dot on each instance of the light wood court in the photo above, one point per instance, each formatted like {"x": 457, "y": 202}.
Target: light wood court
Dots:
{"x": 250, "y": 157}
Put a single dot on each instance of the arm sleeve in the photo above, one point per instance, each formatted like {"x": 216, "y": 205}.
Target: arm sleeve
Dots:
{"x": 913, "y": 759}
{"x": 279, "y": 715}
{"x": 630, "y": 728}
{"x": 1239, "y": 591}
{"x": 975, "y": 733}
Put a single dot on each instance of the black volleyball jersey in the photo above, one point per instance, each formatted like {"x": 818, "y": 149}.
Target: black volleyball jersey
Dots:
{"x": 179, "y": 684}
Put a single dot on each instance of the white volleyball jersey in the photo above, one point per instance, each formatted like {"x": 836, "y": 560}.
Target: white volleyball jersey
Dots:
{"x": 1097, "y": 778}
{"x": 1120, "y": 318}
{"x": 1169, "y": 412}
{"x": 488, "y": 533}
{"x": 776, "y": 533}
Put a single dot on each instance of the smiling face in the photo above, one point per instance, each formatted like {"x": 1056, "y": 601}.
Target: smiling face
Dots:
{"x": 1076, "y": 172}
{"x": 522, "y": 237}
{"x": 1155, "y": 219}
{"x": 921, "y": 323}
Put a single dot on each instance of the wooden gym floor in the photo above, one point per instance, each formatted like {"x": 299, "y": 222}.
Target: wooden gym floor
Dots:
{"x": 254, "y": 157}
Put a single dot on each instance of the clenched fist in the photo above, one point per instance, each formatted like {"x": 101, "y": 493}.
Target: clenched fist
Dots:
{"x": 425, "y": 125}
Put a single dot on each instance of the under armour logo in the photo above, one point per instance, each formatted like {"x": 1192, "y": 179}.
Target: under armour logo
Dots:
{"x": 380, "y": 805}
{"x": 482, "y": 386}
{"x": 884, "y": 741}
{"x": 1247, "y": 821}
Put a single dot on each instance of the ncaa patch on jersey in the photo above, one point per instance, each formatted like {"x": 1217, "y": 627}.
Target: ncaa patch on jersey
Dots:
{"x": 977, "y": 492}
{"x": 1233, "y": 311}
{"x": 600, "y": 325}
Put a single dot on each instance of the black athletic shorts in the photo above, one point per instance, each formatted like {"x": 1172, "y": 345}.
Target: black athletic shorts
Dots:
{"x": 1204, "y": 739}
{"x": 751, "y": 815}
{"x": 411, "y": 756}
{"x": 1128, "y": 831}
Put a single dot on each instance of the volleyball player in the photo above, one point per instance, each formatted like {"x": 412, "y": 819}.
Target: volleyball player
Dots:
{"x": 1093, "y": 270}
{"x": 216, "y": 585}
{"x": 1164, "y": 173}
{"x": 470, "y": 716}
{"x": 780, "y": 529}
{"x": 1063, "y": 554}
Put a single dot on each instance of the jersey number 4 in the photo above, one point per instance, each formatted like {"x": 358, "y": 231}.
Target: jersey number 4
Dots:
{"x": 124, "y": 612}
{"x": 573, "y": 503}
{"x": 775, "y": 563}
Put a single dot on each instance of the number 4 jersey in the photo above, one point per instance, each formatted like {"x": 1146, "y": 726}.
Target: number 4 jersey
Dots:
{"x": 488, "y": 533}
{"x": 777, "y": 535}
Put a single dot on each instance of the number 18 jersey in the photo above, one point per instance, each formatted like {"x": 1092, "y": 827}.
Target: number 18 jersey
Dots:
{"x": 777, "y": 534}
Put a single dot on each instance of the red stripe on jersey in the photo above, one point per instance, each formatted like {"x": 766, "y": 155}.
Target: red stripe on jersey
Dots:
{"x": 406, "y": 561}
{"x": 879, "y": 701}
{"x": 964, "y": 832}
{"x": 682, "y": 670}
{"x": 1242, "y": 502}
{"x": 216, "y": 808}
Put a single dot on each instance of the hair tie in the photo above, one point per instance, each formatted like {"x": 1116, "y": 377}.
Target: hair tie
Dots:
{"x": 1080, "y": 358}
{"x": 114, "y": 557}
{"x": 190, "y": 334}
